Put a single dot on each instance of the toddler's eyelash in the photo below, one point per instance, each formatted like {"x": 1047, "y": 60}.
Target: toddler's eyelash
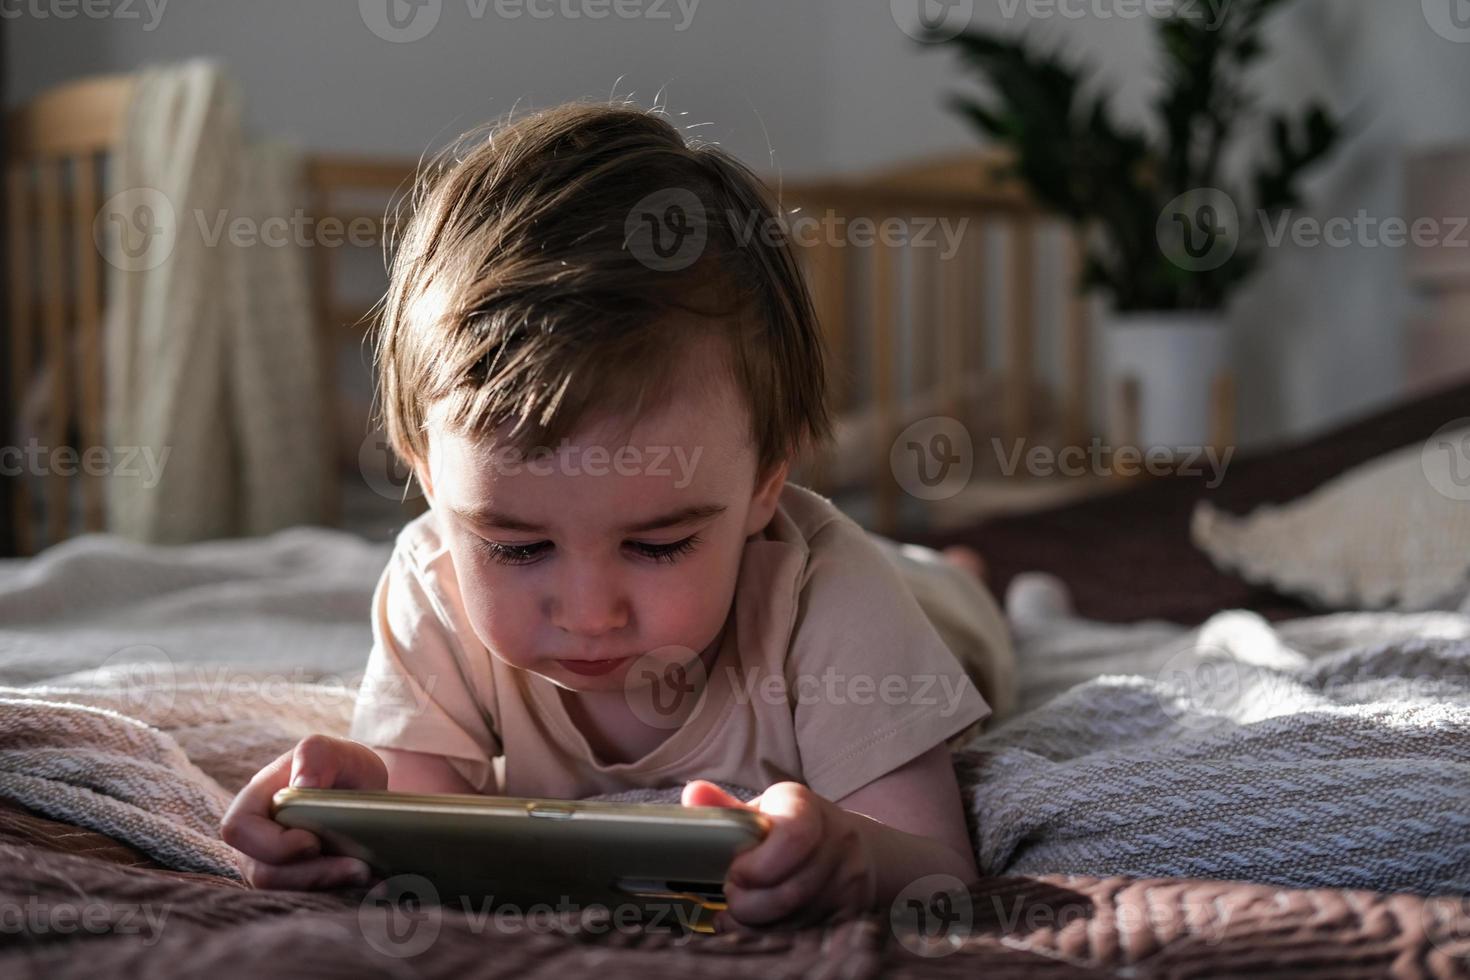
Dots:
{"x": 524, "y": 554}
{"x": 515, "y": 554}
{"x": 665, "y": 552}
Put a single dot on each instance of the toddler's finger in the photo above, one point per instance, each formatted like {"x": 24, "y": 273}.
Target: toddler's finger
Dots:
{"x": 323, "y": 762}
{"x": 247, "y": 824}
{"x": 796, "y": 833}
{"x": 262, "y": 838}
{"x": 317, "y": 873}
{"x": 701, "y": 792}
{"x": 796, "y": 895}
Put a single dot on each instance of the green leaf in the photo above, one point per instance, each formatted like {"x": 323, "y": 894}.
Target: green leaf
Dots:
{"x": 1116, "y": 180}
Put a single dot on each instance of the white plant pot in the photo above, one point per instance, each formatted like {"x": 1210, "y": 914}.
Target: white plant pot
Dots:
{"x": 1175, "y": 358}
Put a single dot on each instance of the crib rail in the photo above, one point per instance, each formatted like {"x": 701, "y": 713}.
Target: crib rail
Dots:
{"x": 883, "y": 300}
{"x": 948, "y": 326}
{"x": 57, "y": 147}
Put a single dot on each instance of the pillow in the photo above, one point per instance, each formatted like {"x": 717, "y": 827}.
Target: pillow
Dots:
{"x": 1393, "y": 533}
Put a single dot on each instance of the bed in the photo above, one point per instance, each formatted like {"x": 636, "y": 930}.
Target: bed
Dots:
{"x": 135, "y": 705}
{"x": 142, "y": 685}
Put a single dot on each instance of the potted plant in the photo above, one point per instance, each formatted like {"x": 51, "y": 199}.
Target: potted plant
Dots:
{"x": 1169, "y": 234}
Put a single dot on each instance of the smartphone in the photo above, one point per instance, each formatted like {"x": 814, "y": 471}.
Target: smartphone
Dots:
{"x": 660, "y": 860}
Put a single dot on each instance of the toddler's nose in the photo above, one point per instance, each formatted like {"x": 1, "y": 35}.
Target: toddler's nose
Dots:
{"x": 587, "y": 607}
{"x": 590, "y": 618}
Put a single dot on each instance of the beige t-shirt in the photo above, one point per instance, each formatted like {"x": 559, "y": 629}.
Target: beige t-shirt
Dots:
{"x": 827, "y": 673}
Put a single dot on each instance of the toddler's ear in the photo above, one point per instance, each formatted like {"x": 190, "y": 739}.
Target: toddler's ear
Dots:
{"x": 767, "y": 493}
{"x": 421, "y": 476}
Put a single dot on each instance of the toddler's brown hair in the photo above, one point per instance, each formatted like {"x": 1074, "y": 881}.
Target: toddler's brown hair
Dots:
{"x": 535, "y": 280}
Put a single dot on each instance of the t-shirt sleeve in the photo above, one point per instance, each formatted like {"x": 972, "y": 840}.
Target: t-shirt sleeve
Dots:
{"x": 419, "y": 692}
{"x": 873, "y": 685}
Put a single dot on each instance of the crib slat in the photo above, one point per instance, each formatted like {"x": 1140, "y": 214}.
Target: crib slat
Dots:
{"x": 53, "y": 298}
{"x": 922, "y": 305}
{"x": 329, "y": 326}
{"x": 22, "y": 327}
{"x": 811, "y": 259}
{"x": 89, "y": 316}
{"x": 951, "y": 332}
{"x": 977, "y": 247}
{"x": 830, "y": 278}
{"x": 1076, "y": 349}
{"x": 1222, "y": 404}
{"x": 1021, "y": 336}
{"x": 833, "y": 263}
{"x": 884, "y": 409}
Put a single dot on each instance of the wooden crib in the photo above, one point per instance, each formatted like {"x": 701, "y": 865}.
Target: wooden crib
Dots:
{"x": 982, "y": 327}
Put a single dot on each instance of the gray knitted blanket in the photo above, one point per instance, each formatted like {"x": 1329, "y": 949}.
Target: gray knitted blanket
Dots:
{"x": 1333, "y": 752}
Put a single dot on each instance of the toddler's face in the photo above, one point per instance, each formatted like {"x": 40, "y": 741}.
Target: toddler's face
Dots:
{"x": 623, "y": 541}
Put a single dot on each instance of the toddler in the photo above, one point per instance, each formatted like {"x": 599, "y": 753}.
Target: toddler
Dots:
{"x": 601, "y": 378}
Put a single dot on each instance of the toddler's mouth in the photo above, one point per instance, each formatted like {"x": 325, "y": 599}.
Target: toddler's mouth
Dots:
{"x": 594, "y": 668}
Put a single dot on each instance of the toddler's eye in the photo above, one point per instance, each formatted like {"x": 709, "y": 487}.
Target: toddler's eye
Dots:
{"x": 515, "y": 554}
{"x": 668, "y": 553}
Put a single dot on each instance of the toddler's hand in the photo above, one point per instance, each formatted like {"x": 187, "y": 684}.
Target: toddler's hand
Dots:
{"x": 278, "y": 857}
{"x": 815, "y": 861}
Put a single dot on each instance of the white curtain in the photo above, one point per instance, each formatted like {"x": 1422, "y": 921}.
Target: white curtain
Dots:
{"x": 212, "y": 359}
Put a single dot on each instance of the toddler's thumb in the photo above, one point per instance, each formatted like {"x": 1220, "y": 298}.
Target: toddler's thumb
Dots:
{"x": 702, "y": 792}
{"x": 322, "y": 762}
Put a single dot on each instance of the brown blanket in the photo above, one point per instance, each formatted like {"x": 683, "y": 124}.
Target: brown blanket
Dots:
{"x": 74, "y": 903}
{"x": 1128, "y": 556}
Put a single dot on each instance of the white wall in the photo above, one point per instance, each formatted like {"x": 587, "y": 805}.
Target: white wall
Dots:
{"x": 314, "y": 72}
{"x": 834, "y": 85}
